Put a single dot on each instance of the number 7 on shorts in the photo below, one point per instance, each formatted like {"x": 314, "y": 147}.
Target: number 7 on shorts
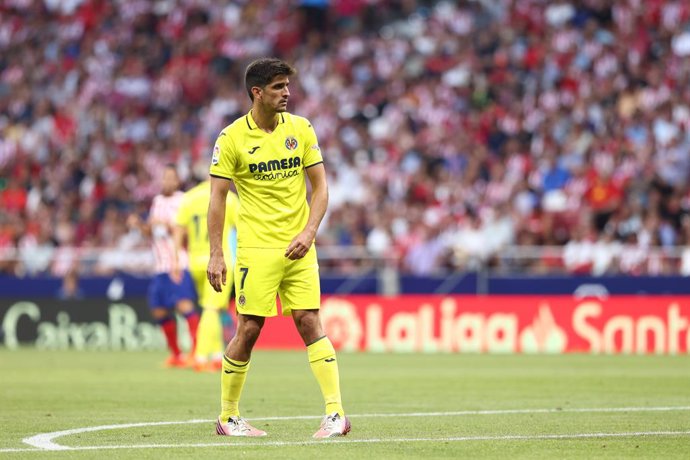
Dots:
{"x": 244, "y": 271}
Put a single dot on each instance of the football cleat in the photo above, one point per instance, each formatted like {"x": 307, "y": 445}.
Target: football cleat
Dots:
{"x": 202, "y": 367}
{"x": 175, "y": 361}
{"x": 237, "y": 426}
{"x": 333, "y": 425}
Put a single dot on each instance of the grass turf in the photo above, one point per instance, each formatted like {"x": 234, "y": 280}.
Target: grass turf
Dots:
{"x": 46, "y": 391}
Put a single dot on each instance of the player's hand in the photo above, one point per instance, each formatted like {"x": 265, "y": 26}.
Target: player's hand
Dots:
{"x": 299, "y": 245}
{"x": 176, "y": 275}
{"x": 216, "y": 272}
{"x": 133, "y": 221}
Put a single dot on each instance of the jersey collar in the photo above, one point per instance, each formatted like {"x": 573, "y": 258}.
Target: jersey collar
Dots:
{"x": 251, "y": 124}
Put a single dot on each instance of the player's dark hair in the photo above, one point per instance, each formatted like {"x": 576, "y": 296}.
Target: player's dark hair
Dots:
{"x": 262, "y": 72}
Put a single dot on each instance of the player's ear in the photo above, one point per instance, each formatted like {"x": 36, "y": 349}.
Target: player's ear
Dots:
{"x": 256, "y": 91}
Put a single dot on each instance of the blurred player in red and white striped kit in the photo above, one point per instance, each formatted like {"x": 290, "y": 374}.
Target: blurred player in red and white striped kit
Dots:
{"x": 170, "y": 291}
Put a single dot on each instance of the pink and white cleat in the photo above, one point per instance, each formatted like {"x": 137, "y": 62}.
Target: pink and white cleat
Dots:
{"x": 237, "y": 426}
{"x": 333, "y": 425}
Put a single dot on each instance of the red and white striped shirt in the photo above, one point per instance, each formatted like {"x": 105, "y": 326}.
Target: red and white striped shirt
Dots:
{"x": 162, "y": 219}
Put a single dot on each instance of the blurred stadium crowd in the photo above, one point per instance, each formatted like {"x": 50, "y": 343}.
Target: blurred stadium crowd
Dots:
{"x": 451, "y": 130}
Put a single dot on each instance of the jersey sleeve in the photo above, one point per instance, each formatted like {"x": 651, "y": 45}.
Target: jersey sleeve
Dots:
{"x": 223, "y": 159}
{"x": 312, "y": 152}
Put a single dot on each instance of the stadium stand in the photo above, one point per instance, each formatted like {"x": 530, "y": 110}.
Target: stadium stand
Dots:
{"x": 538, "y": 136}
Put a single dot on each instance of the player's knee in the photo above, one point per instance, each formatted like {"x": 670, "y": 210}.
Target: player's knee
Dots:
{"x": 308, "y": 323}
{"x": 159, "y": 314}
{"x": 185, "y": 307}
{"x": 248, "y": 332}
{"x": 252, "y": 331}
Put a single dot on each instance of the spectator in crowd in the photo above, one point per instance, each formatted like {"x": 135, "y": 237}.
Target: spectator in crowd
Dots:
{"x": 70, "y": 290}
{"x": 429, "y": 114}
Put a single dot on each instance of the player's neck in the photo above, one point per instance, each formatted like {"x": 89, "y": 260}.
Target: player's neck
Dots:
{"x": 266, "y": 120}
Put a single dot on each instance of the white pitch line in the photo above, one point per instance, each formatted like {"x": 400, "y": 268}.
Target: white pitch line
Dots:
{"x": 544, "y": 437}
{"x": 45, "y": 441}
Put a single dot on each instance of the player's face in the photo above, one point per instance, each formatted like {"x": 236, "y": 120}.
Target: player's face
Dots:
{"x": 170, "y": 181}
{"x": 274, "y": 96}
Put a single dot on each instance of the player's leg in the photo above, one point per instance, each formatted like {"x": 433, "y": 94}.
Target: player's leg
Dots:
{"x": 233, "y": 376}
{"x": 257, "y": 276}
{"x": 322, "y": 359}
{"x": 163, "y": 314}
{"x": 210, "y": 343}
{"x": 185, "y": 302}
{"x": 168, "y": 323}
{"x": 301, "y": 297}
{"x": 205, "y": 332}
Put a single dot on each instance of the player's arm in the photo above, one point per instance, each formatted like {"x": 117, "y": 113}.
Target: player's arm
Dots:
{"x": 178, "y": 239}
{"x": 217, "y": 271}
{"x": 317, "y": 209}
{"x": 135, "y": 222}
{"x": 147, "y": 226}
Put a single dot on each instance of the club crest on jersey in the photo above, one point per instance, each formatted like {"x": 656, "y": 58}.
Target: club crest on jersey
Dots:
{"x": 216, "y": 155}
{"x": 290, "y": 143}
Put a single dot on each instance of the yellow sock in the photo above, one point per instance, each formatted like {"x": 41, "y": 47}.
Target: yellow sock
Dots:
{"x": 231, "y": 383}
{"x": 209, "y": 334}
{"x": 325, "y": 368}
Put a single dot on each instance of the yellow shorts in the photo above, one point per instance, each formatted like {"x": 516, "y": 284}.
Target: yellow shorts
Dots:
{"x": 208, "y": 297}
{"x": 260, "y": 274}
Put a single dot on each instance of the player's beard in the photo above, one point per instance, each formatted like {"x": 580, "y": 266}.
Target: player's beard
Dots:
{"x": 281, "y": 107}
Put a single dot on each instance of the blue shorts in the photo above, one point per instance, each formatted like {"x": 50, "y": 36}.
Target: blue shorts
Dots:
{"x": 164, "y": 293}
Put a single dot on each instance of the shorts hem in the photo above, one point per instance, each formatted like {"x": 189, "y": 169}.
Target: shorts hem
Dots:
{"x": 288, "y": 310}
{"x": 263, "y": 315}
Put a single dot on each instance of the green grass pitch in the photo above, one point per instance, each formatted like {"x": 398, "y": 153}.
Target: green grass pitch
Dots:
{"x": 487, "y": 406}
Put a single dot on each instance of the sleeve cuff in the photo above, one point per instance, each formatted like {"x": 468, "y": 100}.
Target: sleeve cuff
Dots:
{"x": 219, "y": 176}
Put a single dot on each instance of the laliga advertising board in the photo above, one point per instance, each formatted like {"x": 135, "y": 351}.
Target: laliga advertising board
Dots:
{"x": 498, "y": 324}
{"x": 414, "y": 323}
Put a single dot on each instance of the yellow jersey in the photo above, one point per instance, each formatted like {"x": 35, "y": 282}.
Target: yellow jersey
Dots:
{"x": 192, "y": 215}
{"x": 268, "y": 170}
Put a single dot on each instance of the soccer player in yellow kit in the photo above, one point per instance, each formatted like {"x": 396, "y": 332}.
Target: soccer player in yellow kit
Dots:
{"x": 191, "y": 222}
{"x": 268, "y": 154}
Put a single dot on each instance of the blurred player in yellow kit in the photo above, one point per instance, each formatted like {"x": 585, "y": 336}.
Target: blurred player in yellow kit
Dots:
{"x": 191, "y": 222}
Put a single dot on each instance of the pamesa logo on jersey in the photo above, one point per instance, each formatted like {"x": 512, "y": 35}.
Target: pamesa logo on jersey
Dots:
{"x": 290, "y": 143}
{"x": 276, "y": 169}
{"x": 275, "y": 165}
